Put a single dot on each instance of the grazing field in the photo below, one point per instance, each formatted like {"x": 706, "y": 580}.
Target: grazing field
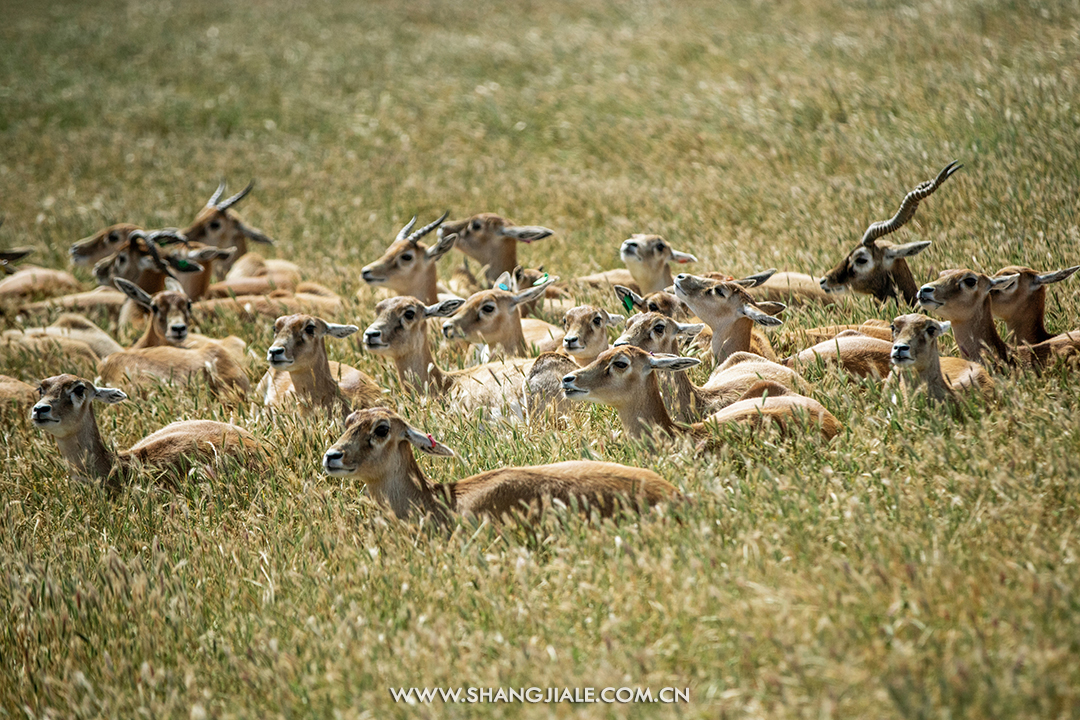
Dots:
{"x": 923, "y": 564}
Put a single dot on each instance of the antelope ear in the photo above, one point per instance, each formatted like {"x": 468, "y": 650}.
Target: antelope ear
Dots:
{"x": 771, "y": 306}
{"x": 110, "y": 396}
{"x": 446, "y": 308}
{"x": 682, "y": 258}
{"x": 1004, "y": 282}
{"x": 340, "y": 331}
{"x": 253, "y": 234}
{"x": 629, "y": 298}
{"x": 183, "y": 264}
{"x": 173, "y": 285}
{"x": 761, "y": 318}
{"x": 672, "y": 363}
{"x": 613, "y": 320}
{"x": 1056, "y": 276}
{"x": 441, "y": 246}
{"x": 139, "y": 296}
{"x": 526, "y": 233}
{"x": 689, "y": 329}
{"x": 209, "y": 254}
{"x": 944, "y": 326}
{"x": 427, "y": 443}
{"x": 906, "y": 250}
{"x": 756, "y": 279}
{"x": 532, "y": 293}
{"x": 505, "y": 282}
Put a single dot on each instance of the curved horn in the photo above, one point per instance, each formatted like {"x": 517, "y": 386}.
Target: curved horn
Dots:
{"x": 151, "y": 247}
{"x": 217, "y": 195}
{"x": 168, "y": 236}
{"x": 908, "y": 206}
{"x": 404, "y": 232}
{"x": 427, "y": 228}
{"x": 226, "y": 204}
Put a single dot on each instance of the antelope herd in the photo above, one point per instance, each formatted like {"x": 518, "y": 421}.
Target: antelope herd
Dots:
{"x": 156, "y": 284}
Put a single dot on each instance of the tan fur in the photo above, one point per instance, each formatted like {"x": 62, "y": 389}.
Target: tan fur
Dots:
{"x": 646, "y": 258}
{"x": 963, "y": 298}
{"x": 298, "y": 352}
{"x": 16, "y": 392}
{"x": 625, "y": 378}
{"x": 873, "y": 328}
{"x": 409, "y": 267}
{"x": 275, "y": 304}
{"x": 491, "y": 317}
{"x": 858, "y": 354}
{"x": 65, "y": 411}
{"x": 105, "y": 299}
{"x": 916, "y": 363}
{"x": 252, "y": 264}
{"x": 1023, "y": 304}
{"x": 492, "y": 241}
{"x": 730, "y": 312}
{"x": 376, "y": 448}
{"x": 223, "y": 228}
{"x": 399, "y": 332}
{"x": 211, "y": 363}
{"x": 103, "y": 243}
{"x": 72, "y": 327}
{"x": 585, "y": 329}
{"x": 791, "y": 286}
{"x": 30, "y": 281}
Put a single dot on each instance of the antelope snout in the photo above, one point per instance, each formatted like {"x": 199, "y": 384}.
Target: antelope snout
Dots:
{"x": 276, "y": 356}
{"x": 331, "y": 462}
{"x": 570, "y": 342}
{"x": 901, "y": 353}
{"x": 926, "y": 296}
{"x": 570, "y": 388}
{"x": 450, "y": 331}
{"x": 41, "y": 413}
{"x": 373, "y": 338}
{"x": 178, "y": 330}
{"x": 368, "y": 275}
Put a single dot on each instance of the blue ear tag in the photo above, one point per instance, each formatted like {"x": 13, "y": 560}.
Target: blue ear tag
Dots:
{"x": 502, "y": 286}
{"x": 628, "y": 303}
{"x": 541, "y": 281}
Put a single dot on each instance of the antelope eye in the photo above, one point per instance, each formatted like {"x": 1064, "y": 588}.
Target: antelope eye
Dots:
{"x": 931, "y": 331}
{"x": 621, "y": 364}
{"x": 658, "y": 329}
{"x": 653, "y": 307}
{"x": 410, "y": 314}
{"x": 215, "y": 224}
{"x": 488, "y": 308}
{"x": 189, "y": 306}
{"x": 113, "y": 237}
{"x": 475, "y": 225}
{"x": 155, "y": 309}
{"x": 310, "y": 329}
{"x": 860, "y": 261}
{"x": 41, "y": 391}
{"x": 661, "y": 246}
{"x": 893, "y": 329}
{"x": 407, "y": 257}
{"x": 78, "y": 391}
{"x": 969, "y": 281}
{"x": 381, "y": 430}
{"x": 596, "y": 321}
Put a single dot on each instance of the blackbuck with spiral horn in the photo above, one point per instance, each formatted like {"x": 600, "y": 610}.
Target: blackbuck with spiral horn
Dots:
{"x": 878, "y": 267}
{"x": 65, "y": 411}
{"x": 377, "y": 449}
{"x": 408, "y": 267}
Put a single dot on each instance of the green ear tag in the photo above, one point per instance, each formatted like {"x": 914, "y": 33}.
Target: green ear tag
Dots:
{"x": 628, "y": 303}
{"x": 542, "y": 280}
{"x": 184, "y": 265}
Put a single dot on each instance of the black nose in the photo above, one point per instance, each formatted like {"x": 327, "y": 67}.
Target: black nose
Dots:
{"x": 681, "y": 276}
{"x": 333, "y": 454}
{"x": 570, "y": 339}
{"x": 178, "y": 329}
{"x": 275, "y": 351}
{"x": 372, "y": 334}
{"x": 620, "y": 342}
{"x": 568, "y": 380}
{"x": 41, "y": 409}
{"x": 900, "y": 348}
{"x": 366, "y": 274}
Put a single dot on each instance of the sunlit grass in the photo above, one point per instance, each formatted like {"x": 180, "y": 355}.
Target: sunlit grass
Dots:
{"x": 922, "y": 564}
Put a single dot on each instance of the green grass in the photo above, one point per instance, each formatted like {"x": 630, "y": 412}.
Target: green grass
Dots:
{"x": 921, "y": 565}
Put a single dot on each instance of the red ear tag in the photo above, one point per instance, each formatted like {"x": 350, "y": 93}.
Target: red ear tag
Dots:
{"x": 432, "y": 441}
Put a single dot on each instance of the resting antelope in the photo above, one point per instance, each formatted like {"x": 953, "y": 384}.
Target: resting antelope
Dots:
{"x": 377, "y": 448}
{"x": 1022, "y": 305}
{"x": 88, "y": 251}
{"x": 964, "y": 298}
{"x": 878, "y": 267}
{"x": 646, "y": 258}
{"x": 29, "y": 281}
{"x": 399, "y": 332}
{"x": 71, "y": 328}
{"x": 625, "y": 378}
{"x": 657, "y": 334}
{"x": 731, "y": 313}
{"x": 916, "y": 362}
{"x": 409, "y": 267}
{"x": 492, "y": 241}
{"x": 299, "y": 367}
{"x": 16, "y": 392}
{"x": 309, "y": 298}
{"x": 217, "y": 226}
{"x": 65, "y": 411}
{"x": 8, "y": 258}
{"x": 492, "y": 317}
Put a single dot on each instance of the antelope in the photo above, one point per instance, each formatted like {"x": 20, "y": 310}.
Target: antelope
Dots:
{"x": 646, "y": 258}
{"x": 731, "y": 313}
{"x": 88, "y": 251}
{"x": 858, "y": 354}
{"x": 377, "y": 448}
{"x": 8, "y": 258}
{"x": 492, "y": 241}
{"x": 916, "y": 363}
{"x": 170, "y": 317}
{"x": 409, "y": 267}
{"x": 491, "y": 317}
{"x": 1022, "y": 305}
{"x": 399, "y": 332}
{"x": 657, "y": 334}
{"x": 30, "y": 280}
{"x": 310, "y": 298}
{"x": 963, "y": 297}
{"x": 661, "y": 302}
{"x": 879, "y": 267}
{"x": 215, "y": 225}
{"x": 625, "y": 378}
{"x": 65, "y": 411}
{"x": 16, "y": 392}
{"x": 299, "y": 366}
{"x": 74, "y": 328}
{"x": 211, "y": 361}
